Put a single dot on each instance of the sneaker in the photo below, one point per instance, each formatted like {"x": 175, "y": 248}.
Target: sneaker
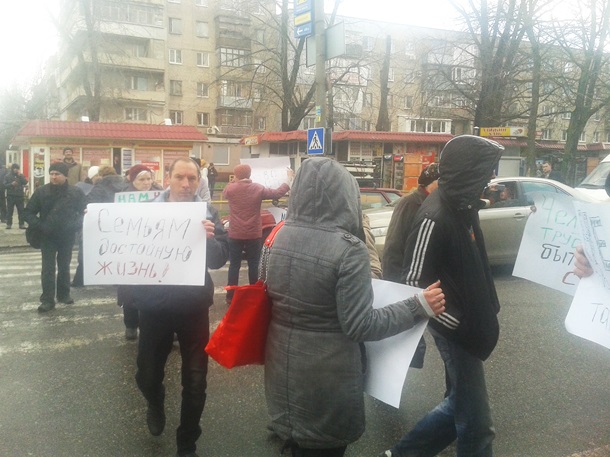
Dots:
{"x": 387, "y": 453}
{"x": 67, "y": 301}
{"x": 131, "y": 333}
{"x": 44, "y": 307}
{"x": 155, "y": 419}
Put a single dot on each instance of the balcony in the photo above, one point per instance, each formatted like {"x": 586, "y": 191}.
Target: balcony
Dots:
{"x": 226, "y": 101}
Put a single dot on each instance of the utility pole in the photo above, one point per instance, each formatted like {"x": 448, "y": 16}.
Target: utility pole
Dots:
{"x": 320, "y": 37}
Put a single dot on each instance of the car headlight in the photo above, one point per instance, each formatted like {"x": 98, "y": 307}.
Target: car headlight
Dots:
{"x": 379, "y": 231}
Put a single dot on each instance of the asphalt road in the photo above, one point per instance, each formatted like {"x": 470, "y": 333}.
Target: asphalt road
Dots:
{"x": 67, "y": 387}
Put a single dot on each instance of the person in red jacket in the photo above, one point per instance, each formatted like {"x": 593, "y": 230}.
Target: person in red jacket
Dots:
{"x": 245, "y": 228}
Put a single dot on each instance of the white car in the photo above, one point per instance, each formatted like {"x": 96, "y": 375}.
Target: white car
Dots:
{"x": 502, "y": 223}
{"x": 595, "y": 183}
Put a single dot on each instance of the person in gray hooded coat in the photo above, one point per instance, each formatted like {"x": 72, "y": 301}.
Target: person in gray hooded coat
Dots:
{"x": 319, "y": 280}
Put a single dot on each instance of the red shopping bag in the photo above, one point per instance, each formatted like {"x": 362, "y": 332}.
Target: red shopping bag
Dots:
{"x": 241, "y": 335}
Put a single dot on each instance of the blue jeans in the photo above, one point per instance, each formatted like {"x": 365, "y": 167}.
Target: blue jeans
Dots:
{"x": 252, "y": 249}
{"x": 463, "y": 415}
{"x": 157, "y": 328}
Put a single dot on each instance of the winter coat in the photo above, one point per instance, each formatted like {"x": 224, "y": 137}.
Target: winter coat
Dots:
{"x": 245, "y": 198}
{"x": 103, "y": 191}
{"x": 186, "y": 298}
{"x": 319, "y": 280}
{"x": 57, "y": 210}
{"x": 75, "y": 172}
{"x": 15, "y": 184}
{"x": 398, "y": 231}
{"x": 446, "y": 243}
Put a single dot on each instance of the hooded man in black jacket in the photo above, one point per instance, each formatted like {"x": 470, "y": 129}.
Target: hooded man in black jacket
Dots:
{"x": 446, "y": 243}
{"x": 56, "y": 211}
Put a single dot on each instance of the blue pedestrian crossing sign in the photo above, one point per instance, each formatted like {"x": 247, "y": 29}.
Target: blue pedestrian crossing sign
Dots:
{"x": 315, "y": 141}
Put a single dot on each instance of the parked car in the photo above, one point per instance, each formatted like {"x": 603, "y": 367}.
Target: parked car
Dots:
{"x": 502, "y": 224}
{"x": 377, "y": 197}
{"x": 595, "y": 183}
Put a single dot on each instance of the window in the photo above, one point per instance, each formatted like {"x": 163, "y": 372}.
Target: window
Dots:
{"x": 257, "y": 94}
{"x": 410, "y": 50}
{"x": 261, "y": 123}
{"x": 564, "y": 135}
{"x": 203, "y": 119}
{"x": 367, "y": 99}
{"x": 409, "y": 102}
{"x": 136, "y": 114}
{"x": 175, "y": 25}
{"x": 410, "y": 77}
{"x": 232, "y": 57}
{"x": 368, "y": 43}
{"x": 201, "y": 2}
{"x": 390, "y": 100}
{"x": 566, "y": 115}
{"x": 176, "y": 117}
{"x": 132, "y": 12}
{"x": 173, "y": 1}
{"x": 175, "y": 56}
{"x": 546, "y": 134}
{"x": 136, "y": 83}
{"x": 203, "y": 90}
{"x": 583, "y": 137}
{"x": 595, "y": 137}
{"x": 597, "y": 116}
{"x": 203, "y": 59}
{"x": 391, "y": 74}
{"x": 309, "y": 122}
{"x": 139, "y": 50}
{"x": 258, "y": 65}
{"x": 608, "y": 137}
{"x": 236, "y": 118}
{"x": 175, "y": 87}
{"x": 202, "y": 29}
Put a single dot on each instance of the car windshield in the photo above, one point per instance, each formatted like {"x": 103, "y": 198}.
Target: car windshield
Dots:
{"x": 597, "y": 178}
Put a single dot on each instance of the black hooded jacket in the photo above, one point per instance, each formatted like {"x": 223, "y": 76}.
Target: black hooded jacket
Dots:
{"x": 446, "y": 243}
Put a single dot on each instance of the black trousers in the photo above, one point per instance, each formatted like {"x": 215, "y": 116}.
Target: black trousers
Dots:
{"x": 56, "y": 252}
{"x": 13, "y": 202}
{"x": 157, "y": 328}
{"x": 3, "y": 204}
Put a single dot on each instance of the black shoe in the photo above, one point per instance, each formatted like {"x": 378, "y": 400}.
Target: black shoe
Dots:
{"x": 8, "y": 227}
{"x": 67, "y": 301}
{"x": 131, "y": 333}
{"x": 44, "y": 307}
{"x": 155, "y": 419}
{"x": 77, "y": 284}
{"x": 22, "y": 227}
{"x": 188, "y": 454}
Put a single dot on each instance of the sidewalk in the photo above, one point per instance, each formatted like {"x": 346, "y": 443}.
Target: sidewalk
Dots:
{"x": 13, "y": 238}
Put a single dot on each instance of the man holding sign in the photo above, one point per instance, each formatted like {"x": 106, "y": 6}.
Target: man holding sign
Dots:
{"x": 183, "y": 310}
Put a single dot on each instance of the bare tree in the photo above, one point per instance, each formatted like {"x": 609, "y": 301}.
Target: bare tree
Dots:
{"x": 585, "y": 72}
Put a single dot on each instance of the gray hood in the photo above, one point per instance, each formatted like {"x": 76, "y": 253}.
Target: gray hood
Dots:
{"x": 325, "y": 194}
{"x": 466, "y": 165}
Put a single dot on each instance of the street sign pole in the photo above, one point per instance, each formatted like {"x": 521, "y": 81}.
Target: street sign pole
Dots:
{"x": 319, "y": 30}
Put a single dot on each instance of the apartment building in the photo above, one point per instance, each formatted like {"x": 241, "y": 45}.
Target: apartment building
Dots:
{"x": 216, "y": 65}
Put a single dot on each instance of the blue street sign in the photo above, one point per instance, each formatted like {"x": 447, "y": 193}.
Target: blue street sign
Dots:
{"x": 301, "y": 6}
{"x": 315, "y": 141}
{"x": 303, "y": 30}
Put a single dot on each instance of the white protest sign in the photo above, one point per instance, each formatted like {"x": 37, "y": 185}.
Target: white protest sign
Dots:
{"x": 145, "y": 243}
{"x": 389, "y": 359}
{"x": 269, "y": 171}
{"x": 589, "y": 314}
{"x": 546, "y": 254}
{"x": 136, "y": 196}
{"x": 594, "y": 219}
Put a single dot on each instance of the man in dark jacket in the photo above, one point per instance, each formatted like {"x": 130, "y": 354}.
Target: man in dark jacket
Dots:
{"x": 446, "y": 243}
{"x": 402, "y": 220}
{"x": 3, "y": 172}
{"x": 14, "y": 182}
{"x": 56, "y": 210}
{"x": 183, "y": 310}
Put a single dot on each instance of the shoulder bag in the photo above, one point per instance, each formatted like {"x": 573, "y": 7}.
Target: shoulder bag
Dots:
{"x": 241, "y": 336}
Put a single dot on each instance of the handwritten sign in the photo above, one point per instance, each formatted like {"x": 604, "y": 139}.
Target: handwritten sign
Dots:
{"x": 269, "y": 171}
{"x": 389, "y": 359}
{"x": 546, "y": 254}
{"x": 136, "y": 196}
{"x": 589, "y": 314}
{"x": 145, "y": 243}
